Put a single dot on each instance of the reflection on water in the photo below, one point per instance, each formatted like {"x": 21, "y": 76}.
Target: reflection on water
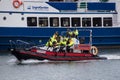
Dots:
{"x": 62, "y": 70}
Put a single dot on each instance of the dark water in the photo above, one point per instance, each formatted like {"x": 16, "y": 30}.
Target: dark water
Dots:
{"x": 51, "y": 70}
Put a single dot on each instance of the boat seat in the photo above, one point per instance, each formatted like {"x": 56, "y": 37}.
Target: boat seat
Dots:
{"x": 82, "y": 47}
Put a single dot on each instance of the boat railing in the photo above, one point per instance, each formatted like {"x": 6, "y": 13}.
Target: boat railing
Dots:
{"x": 84, "y": 30}
{"x": 20, "y": 44}
{"x": 12, "y": 44}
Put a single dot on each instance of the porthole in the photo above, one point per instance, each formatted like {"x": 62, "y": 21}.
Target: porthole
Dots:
{"x": 4, "y": 18}
{"x": 22, "y": 18}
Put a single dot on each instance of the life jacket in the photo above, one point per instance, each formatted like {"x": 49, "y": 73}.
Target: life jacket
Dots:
{"x": 76, "y": 32}
{"x": 70, "y": 42}
{"x": 49, "y": 44}
{"x": 63, "y": 43}
{"x": 70, "y": 33}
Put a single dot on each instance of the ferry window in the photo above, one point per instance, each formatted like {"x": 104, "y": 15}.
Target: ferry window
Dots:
{"x": 107, "y": 22}
{"x": 86, "y": 22}
{"x": 75, "y": 22}
{"x": 54, "y": 22}
{"x": 31, "y": 21}
{"x": 75, "y": 0}
{"x": 43, "y": 21}
{"x": 97, "y": 22}
{"x": 65, "y": 22}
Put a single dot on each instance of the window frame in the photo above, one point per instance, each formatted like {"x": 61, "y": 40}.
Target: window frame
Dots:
{"x": 86, "y": 22}
{"x": 73, "y": 21}
{"x": 43, "y": 21}
{"x": 54, "y": 21}
{"x": 65, "y": 21}
{"x": 31, "y": 21}
{"x": 108, "y": 20}
{"x": 97, "y": 21}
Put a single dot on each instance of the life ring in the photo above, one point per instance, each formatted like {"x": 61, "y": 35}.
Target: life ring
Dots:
{"x": 94, "y": 50}
{"x": 17, "y": 3}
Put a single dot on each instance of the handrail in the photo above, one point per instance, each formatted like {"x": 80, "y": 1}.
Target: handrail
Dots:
{"x": 90, "y": 36}
{"x": 19, "y": 44}
{"x": 22, "y": 41}
{"x": 12, "y": 44}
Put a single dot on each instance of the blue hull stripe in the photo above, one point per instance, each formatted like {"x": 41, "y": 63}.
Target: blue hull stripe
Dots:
{"x": 101, "y": 36}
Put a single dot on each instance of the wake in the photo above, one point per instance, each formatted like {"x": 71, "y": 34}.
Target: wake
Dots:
{"x": 108, "y": 56}
{"x": 111, "y": 56}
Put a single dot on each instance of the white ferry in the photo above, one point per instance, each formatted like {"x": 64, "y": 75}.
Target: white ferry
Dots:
{"x": 36, "y": 20}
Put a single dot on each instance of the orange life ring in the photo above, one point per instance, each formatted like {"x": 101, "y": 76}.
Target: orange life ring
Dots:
{"x": 17, "y": 3}
{"x": 94, "y": 50}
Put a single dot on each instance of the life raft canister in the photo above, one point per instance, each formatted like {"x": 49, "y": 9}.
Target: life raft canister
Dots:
{"x": 94, "y": 50}
{"x": 17, "y": 3}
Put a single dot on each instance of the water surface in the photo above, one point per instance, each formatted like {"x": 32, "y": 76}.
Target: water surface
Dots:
{"x": 51, "y": 70}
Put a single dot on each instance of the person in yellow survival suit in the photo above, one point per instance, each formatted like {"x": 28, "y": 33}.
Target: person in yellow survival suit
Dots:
{"x": 49, "y": 43}
{"x": 69, "y": 45}
{"x": 75, "y": 33}
{"x": 55, "y": 35}
{"x": 62, "y": 45}
{"x": 54, "y": 43}
{"x": 69, "y": 33}
{"x": 55, "y": 46}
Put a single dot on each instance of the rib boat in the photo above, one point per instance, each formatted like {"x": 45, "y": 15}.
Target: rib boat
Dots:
{"x": 78, "y": 51}
{"x": 39, "y": 54}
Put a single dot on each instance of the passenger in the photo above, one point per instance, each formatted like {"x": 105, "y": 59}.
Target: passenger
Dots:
{"x": 75, "y": 33}
{"x": 62, "y": 45}
{"x": 51, "y": 41}
{"x": 49, "y": 44}
{"x": 54, "y": 42}
{"x": 55, "y": 34}
{"x": 58, "y": 38}
{"x": 55, "y": 46}
{"x": 66, "y": 38}
{"x": 70, "y": 43}
{"x": 69, "y": 33}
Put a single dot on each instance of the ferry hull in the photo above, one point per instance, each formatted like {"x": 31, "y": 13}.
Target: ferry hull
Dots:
{"x": 37, "y": 36}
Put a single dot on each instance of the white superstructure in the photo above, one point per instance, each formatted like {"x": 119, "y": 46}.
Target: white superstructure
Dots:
{"x": 17, "y": 17}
